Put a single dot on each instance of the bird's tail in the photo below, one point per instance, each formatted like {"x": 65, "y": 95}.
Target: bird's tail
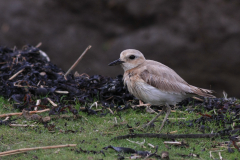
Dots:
{"x": 202, "y": 92}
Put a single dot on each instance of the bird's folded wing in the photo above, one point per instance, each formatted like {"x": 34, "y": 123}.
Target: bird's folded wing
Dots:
{"x": 165, "y": 79}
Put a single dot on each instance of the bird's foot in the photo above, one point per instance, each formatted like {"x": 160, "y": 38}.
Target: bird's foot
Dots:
{"x": 149, "y": 123}
{"x": 142, "y": 104}
{"x": 150, "y": 110}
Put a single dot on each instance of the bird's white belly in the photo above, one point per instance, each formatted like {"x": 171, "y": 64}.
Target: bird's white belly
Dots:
{"x": 154, "y": 96}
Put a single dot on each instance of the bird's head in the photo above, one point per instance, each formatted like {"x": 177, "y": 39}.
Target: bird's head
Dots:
{"x": 129, "y": 58}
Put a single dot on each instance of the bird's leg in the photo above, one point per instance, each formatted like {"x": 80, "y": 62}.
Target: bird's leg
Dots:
{"x": 148, "y": 109}
{"x": 175, "y": 106}
{"x": 165, "y": 118}
{"x": 149, "y": 123}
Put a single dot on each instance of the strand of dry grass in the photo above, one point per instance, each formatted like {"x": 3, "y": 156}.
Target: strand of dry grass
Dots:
{"x": 20, "y": 113}
{"x": 78, "y": 60}
{"x": 17, "y": 151}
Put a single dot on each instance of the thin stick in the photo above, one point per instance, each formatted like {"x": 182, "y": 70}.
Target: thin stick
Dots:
{"x": 220, "y": 156}
{"x": 170, "y": 142}
{"x": 35, "y": 148}
{"x": 20, "y": 113}
{"x": 177, "y": 118}
{"x": 110, "y": 110}
{"x": 62, "y": 92}
{"x": 15, "y": 75}
{"x": 49, "y": 100}
{"x": 21, "y": 125}
{"x": 5, "y": 119}
{"x": 149, "y": 144}
{"x": 137, "y": 142}
{"x": 78, "y": 60}
{"x": 172, "y": 132}
{"x": 115, "y": 118}
{"x": 38, "y": 45}
{"x": 10, "y": 154}
{"x": 211, "y": 156}
{"x": 37, "y": 103}
{"x": 95, "y": 103}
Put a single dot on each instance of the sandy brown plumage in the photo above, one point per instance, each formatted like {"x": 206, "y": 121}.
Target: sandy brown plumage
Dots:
{"x": 154, "y": 82}
{"x": 167, "y": 80}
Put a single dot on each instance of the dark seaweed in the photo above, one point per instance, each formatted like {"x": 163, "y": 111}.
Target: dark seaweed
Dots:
{"x": 40, "y": 78}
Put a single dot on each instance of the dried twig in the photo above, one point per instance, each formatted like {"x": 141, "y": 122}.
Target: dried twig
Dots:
{"x": 18, "y": 84}
{"x": 220, "y": 156}
{"x": 178, "y": 118}
{"x": 15, "y": 75}
{"x": 175, "y": 143}
{"x": 225, "y": 95}
{"x": 21, "y": 125}
{"x": 95, "y": 103}
{"x": 37, "y": 103}
{"x": 35, "y": 148}
{"x": 150, "y": 145}
{"x": 110, "y": 110}
{"x": 62, "y": 92}
{"x": 20, "y": 113}
{"x": 211, "y": 156}
{"x": 172, "y": 132}
{"x": 38, "y": 45}
{"x": 115, "y": 118}
{"x": 54, "y": 104}
{"x": 78, "y": 60}
{"x": 137, "y": 142}
{"x": 5, "y": 119}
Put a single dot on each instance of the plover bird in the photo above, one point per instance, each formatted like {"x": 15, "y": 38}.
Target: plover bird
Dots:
{"x": 155, "y": 83}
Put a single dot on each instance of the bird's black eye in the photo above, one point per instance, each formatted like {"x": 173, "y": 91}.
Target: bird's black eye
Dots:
{"x": 132, "y": 57}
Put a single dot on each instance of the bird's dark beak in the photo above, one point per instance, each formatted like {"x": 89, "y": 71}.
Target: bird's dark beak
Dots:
{"x": 116, "y": 62}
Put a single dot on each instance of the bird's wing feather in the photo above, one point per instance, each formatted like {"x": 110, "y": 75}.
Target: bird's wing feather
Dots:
{"x": 167, "y": 80}
{"x": 163, "y": 78}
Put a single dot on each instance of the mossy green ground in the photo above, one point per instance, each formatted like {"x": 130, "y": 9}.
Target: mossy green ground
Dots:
{"x": 95, "y": 132}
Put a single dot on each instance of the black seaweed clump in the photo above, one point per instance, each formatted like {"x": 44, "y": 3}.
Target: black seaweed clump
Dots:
{"x": 37, "y": 78}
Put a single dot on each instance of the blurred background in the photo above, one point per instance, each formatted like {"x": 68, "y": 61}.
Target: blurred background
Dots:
{"x": 200, "y": 40}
